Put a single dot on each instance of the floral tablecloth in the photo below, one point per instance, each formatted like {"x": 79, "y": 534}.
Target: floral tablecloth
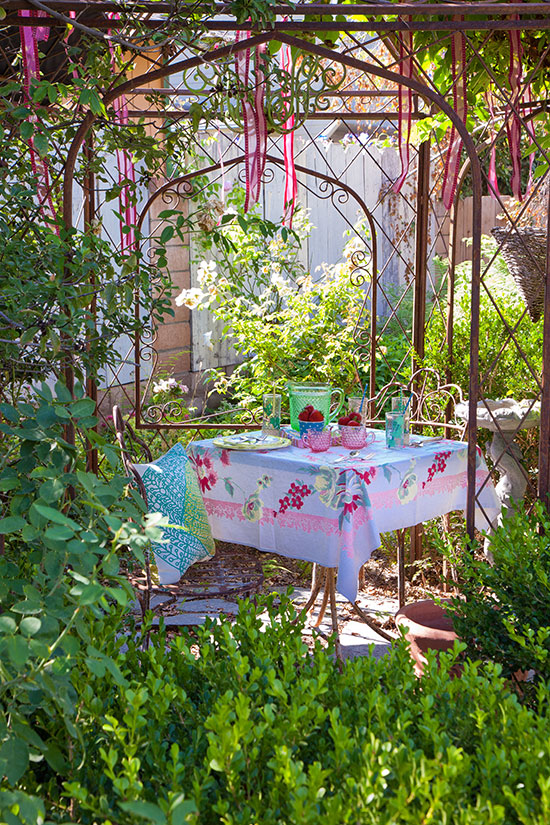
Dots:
{"x": 311, "y": 506}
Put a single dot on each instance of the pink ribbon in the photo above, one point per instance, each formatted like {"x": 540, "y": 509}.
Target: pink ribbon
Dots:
{"x": 492, "y": 176}
{"x": 460, "y": 101}
{"x": 30, "y": 35}
{"x": 126, "y": 171}
{"x": 405, "y": 98}
{"x": 513, "y": 123}
{"x": 291, "y": 180}
{"x": 254, "y": 121}
{"x": 531, "y": 132}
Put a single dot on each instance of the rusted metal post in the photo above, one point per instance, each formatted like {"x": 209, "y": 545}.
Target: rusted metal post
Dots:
{"x": 419, "y": 300}
{"x": 89, "y": 218}
{"x": 474, "y": 388}
{"x": 544, "y": 443}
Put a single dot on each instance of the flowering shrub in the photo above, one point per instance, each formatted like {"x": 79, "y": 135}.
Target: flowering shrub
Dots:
{"x": 170, "y": 386}
{"x": 284, "y": 322}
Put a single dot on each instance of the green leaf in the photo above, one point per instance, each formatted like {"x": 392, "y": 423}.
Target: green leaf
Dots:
{"x": 144, "y": 810}
{"x": 96, "y": 104}
{"x": 30, "y": 625}
{"x": 167, "y": 234}
{"x": 14, "y": 759}
{"x": 181, "y": 810}
{"x": 59, "y": 533}
{"x": 63, "y": 393}
{"x": 55, "y": 758}
{"x": 26, "y": 129}
{"x": 97, "y": 667}
{"x": 10, "y": 413}
{"x": 84, "y": 407}
{"x": 89, "y": 594}
{"x": 7, "y": 624}
{"x": 21, "y": 112}
{"x": 54, "y": 515}
{"x": 18, "y": 650}
{"x": 41, "y": 144}
{"x": 11, "y": 524}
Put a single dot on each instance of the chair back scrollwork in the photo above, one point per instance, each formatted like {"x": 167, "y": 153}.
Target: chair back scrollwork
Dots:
{"x": 432, "y": 402}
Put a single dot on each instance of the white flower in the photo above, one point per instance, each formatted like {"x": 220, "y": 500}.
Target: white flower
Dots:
{"x": 207, "y": 269}
{"x": 165, "y": 385}
{"x": 184, "y": 388}
{"x": 207, "y": 339}
{"x": 190, "y": 298}
{"x": 280, "y": 283}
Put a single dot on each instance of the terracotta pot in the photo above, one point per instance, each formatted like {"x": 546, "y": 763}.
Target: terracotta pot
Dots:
{"x": 429, "y": 627}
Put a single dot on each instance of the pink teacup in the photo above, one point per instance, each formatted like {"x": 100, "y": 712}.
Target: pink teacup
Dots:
{"x": 318, "y": 440}
{"x": 355, "y": 438}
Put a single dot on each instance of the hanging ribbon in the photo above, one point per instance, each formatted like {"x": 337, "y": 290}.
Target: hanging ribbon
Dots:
{"x": 254, "y": 121}
{"x": 291, "y": 181}
{"x": 513, "y": 123}
{"x": 126, "y": 171}
{"x": 460, "y": 105}
{"x": 492, "y": 176}
{"x": 405, "y": 102}
{"x": 29, "y": 36}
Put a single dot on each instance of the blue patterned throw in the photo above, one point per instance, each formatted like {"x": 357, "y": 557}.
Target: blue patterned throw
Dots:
{"x": 173, "y": 490}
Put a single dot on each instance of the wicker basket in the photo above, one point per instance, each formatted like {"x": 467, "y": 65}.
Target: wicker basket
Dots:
{"x": 524, "y": 250}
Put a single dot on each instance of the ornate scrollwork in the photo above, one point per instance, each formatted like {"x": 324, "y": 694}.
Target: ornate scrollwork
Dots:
{"x": 329, "y": 189}
{"x": 181, "y": 189}
{"x": 267, "y": 177}
{"x": 288, "y": 94}
{"x": 176, "y": 412}
{"x": 361, "y": 266}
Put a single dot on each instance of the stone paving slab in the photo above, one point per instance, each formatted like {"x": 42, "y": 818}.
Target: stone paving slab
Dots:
{"x": 182, "y": 619}
{"x": 208, "y": 606}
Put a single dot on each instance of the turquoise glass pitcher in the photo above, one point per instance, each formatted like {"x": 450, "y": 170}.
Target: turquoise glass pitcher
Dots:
{"x": 321, "y": 396}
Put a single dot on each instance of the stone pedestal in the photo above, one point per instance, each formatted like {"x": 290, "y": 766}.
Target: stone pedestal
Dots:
{"x": 505, "y": 418}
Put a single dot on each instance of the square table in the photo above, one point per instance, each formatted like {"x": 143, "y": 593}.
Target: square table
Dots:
{"x": 329, "y": 508}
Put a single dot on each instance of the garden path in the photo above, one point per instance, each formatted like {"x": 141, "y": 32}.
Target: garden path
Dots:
{"x": 378, "y": 599}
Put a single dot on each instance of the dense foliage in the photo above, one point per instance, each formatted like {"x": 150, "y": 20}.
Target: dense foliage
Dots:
{"x": 504, "y": 615}
{"x": 243, "y": 724}
{"x": 61, "y": 585}
{"x": 503, "y": 332}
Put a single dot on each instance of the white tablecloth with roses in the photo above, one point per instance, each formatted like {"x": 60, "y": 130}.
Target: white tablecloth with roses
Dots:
{"x": 309, "y": 506}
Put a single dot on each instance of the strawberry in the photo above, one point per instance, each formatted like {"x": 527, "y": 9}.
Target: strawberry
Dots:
{"x": 354, "y": 423}
{"x": 316, "y": 415}
{"x": 344, "y": 420}
{"x": 355, "y": 416}
{"x": 305, "y": 413}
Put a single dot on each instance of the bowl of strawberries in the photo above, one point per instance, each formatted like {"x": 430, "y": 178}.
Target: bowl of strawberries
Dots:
{"x": 354, "y": 435}
{"x": 310, "y": 419}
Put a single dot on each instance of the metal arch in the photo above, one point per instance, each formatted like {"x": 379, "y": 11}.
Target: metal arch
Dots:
{"x": 172, "y": 185}
{"x": 252, "y": 42}
{"x": 377, "y": 71}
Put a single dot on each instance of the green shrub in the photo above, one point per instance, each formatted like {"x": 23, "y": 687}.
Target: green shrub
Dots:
{"x": 503, "y": 371}
{"x": 242, "y": 725}
{"x": 504, "y": 615}
{"x": 60, "y": 588}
